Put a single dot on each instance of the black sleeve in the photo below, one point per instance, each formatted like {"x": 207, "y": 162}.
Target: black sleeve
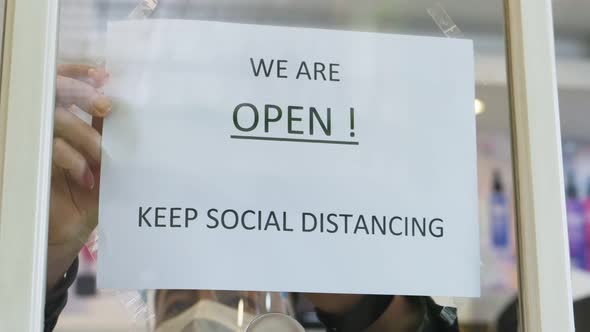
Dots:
{"x": 371, "y": 307}
{"x": 56, "y": 298}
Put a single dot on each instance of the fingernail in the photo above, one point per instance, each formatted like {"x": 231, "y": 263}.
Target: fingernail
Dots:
{"x": 103, "y": 105}
{"x": 92, "y": 72}
{"x": 88, "y": 179}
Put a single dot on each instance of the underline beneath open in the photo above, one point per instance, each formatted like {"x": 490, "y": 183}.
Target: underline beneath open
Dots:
{"x": 297, "y": 140}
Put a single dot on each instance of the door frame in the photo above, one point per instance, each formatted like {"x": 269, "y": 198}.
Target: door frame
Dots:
{"x": 544, "y": 264}
{"x": 26, "y": 111}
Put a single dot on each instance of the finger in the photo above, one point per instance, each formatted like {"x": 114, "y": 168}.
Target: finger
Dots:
{"x": 73, "y": 92}
{"x": 79, "y": 134}
{"x": 66, "y": 157}
{"x": 73, "y": 70}
{"x": 99, "y": 76}
{"x": 95, "y": 76}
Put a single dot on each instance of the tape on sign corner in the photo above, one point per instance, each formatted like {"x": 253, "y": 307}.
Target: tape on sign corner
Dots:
{"x": 143, "y": 10}
{"x": 444, "y": 21}
{"x": 446, "y": 24}
{"x": 449, "y": 314}
{"x": 135, "y": 302}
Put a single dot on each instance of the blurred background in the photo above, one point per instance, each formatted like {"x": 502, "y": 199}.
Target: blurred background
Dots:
{"x": 83, "y": 24}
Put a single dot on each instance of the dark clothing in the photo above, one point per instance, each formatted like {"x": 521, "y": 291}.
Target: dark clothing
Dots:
{"x": 56, "y": 298}
{"x": 372, "y": 307}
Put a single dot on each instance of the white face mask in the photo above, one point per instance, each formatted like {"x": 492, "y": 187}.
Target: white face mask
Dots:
{"x": 207, "y": 316}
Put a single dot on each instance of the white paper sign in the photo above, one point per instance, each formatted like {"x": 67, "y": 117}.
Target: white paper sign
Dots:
{"x": 247, "y": 157}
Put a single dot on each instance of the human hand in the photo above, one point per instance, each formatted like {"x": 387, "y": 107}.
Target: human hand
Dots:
{"x": 75, "y": 178}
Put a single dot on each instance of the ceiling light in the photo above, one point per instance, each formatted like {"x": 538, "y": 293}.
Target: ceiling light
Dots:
{"x": 480, "y": 106}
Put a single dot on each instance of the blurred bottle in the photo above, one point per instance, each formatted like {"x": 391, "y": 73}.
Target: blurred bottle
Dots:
{"x": 575, "y": 223}
{"x": 587, "y": 224}
{"x": 499, "y": 218}
{"x": 86, "y": 280}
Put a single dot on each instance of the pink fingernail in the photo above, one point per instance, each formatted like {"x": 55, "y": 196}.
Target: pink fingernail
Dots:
{"x": 88, "y": 179}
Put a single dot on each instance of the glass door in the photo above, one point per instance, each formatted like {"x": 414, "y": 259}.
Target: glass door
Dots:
{"x": 284, "y": 165}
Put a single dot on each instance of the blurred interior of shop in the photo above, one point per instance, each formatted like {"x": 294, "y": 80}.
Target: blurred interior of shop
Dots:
{"x": 480, "y": 20}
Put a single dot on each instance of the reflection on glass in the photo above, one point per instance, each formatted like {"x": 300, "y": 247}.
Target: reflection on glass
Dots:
{"x": 77, "y": 150}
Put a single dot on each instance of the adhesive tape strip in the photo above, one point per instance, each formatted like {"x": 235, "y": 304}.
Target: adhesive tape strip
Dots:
{"x": 273, "y": 322}
{"x": 444, "y": 21}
